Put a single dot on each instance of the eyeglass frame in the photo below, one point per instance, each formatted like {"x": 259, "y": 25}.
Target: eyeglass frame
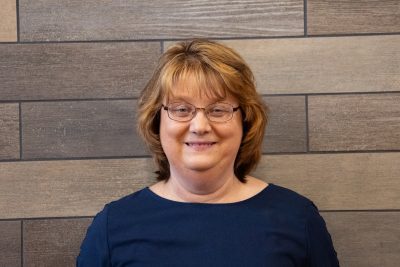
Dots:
{"x": 166, "y": 108}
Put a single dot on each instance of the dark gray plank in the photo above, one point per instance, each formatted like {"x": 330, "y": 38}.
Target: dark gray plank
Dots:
{"x": 53, "y": 242}
{"x": 366, "y": 239}
{"x": 10, "y": 243}
{"x": 9, "y": 131}
{"x": 63, "y": 188}
{"x": 286, "y": 130}
{"x": 349, "y": 181}
{"x": 8, "y": 21}
{"x": 79, "y": 70}
{"x": 80, "y": 129}
{"x": 353, "y": 16}
{"x": 88, "y": 20}
{"x": 354, "y": 122}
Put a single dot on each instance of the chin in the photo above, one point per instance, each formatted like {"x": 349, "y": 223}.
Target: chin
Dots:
{"x": 199, "y": 166}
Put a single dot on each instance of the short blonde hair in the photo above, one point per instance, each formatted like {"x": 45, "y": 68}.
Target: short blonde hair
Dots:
{"x": 218, "y": 71}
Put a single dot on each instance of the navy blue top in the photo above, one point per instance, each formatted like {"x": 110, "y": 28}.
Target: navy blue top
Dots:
{"x": 277, "y": 228}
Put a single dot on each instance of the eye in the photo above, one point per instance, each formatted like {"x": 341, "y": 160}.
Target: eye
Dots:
{"x": 180, "y": 110}
{"x": 219, "y": 110}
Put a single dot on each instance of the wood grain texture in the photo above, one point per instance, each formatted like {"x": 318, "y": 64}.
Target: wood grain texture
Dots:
{"x": 68, "y": 188}
{"x": 338, "y": 181}
{"x": 53, "y": 242}
{"x": 81, "y": 187}
{"x": 75, "y": 70}
{"x": 323, "y": 65}
{"x": 352, "y": 16}
{"x": 354, "y": 122}
{"x": 8, "y": 21}
{"x": 110, "y": 20}
{"x": 286, "y": 130}
{"x": 10, "y": 243}
{"x": 367, "y": 239}
{"x": 80, "y": 129}
{"x": 9, "y": 131}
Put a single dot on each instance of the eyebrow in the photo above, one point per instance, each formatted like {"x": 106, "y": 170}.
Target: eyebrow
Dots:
{"x": 186, "y": 99}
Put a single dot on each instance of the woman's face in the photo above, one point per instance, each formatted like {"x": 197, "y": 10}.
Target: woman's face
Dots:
{"x": 200, "y": 145}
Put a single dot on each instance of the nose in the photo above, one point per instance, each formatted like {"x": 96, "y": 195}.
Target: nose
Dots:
{"x": 200, "y": 124}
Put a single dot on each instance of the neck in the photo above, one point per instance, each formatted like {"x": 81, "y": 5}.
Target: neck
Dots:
{"x": 202, "y": 187}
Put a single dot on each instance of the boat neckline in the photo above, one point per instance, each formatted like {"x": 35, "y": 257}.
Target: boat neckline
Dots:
{"x": 244, "y": 201}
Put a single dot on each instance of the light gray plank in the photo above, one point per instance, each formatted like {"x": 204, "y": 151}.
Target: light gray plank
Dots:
{"x": 10, "y": 243}
{"x": 322, "y": 65}
{"x": 51, "y": 20}
{"x": 354, "y": 122}
{"x": 286, "y": 130}
{"x": 81, "y": 187}
{"x": 75, "y": 70}
{"x": 8, "y": 21}
{"x": 367, "y": 239}
{"x": 53, "y": 242}
{"x": 68, "y": 188}
{"x": 353, "y": 16}
{"x": 80, "y": 129}
{"x": 347, "y": 181}
{"x": 9, "y": 131}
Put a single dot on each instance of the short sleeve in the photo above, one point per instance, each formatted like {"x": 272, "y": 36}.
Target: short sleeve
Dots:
{"x": 94, "y": 249}
{"x": 320, "y": 250}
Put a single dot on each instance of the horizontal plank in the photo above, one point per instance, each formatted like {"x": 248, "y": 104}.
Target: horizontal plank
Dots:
{"x": 9, "y": 131}
{"x": 286, "y": 129}
{"x": 352, "y": 16}
{"x": 8, "y": 21}
{"x": 80, "y": 129}
{"x": 68, "y": 188}
{"x": 360, "y": 239}
{"x": 367, "y": 239}
{"x": 323, "y": 65}
{"x": 75, "y": 70}
{"x": 50, "y": 20}
{"x": 82, "y": 187}
{"x": 53, "y": 242}
{"x": 354, "y": 122}
{"x": 347, "y": 181}
{"x": 10, "y": 243}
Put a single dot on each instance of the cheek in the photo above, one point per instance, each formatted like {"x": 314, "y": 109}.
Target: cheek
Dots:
{"x": 170, "y": 132}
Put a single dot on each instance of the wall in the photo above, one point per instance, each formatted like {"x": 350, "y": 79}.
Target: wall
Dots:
{"x": 70, "y": 73}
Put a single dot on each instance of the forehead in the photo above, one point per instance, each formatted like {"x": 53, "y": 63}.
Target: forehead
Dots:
{"x": 206, "y": 88}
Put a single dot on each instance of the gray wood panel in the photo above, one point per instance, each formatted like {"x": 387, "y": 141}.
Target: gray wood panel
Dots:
{"x": 366, "y": 239}
{"x": 9, "y": 131}
{"x": 68, "y": 188}
{"x": 109, "y": 20}
{"x": 353, "y": 16}
{"x": 80, "y": 129}
{"x": 10, "y": 243}
{"x": 81, "y": 187}
{"x": 354, "y": 122}
{"x": 53, "y": 242}
{"x": 322, "y": 65}
{"x": 360, "y": 239}
{"x": 76, "y": 70}
{"x": 347, "y": 181}
{"x": 8, "y": 21}
{"x": 286, "y": 130}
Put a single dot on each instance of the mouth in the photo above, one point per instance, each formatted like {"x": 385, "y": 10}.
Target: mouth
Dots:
{"x": 200, "y": 144}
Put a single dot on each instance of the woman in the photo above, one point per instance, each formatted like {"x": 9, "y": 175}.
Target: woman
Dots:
{"x": 203, "y": 120}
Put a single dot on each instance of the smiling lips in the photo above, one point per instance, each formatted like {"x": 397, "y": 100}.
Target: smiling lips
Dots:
{"x": 200, "y": 145}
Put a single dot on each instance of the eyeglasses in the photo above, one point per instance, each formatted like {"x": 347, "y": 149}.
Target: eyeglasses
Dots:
{"x": 183, "y": 112}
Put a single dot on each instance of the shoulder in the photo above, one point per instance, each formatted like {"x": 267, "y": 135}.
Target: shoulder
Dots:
{"x": 129, "y": 202}
{"x": 288, "y": 201}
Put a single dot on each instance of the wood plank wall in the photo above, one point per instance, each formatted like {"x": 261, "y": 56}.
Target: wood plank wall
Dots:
{"x": 70, "y": 73}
